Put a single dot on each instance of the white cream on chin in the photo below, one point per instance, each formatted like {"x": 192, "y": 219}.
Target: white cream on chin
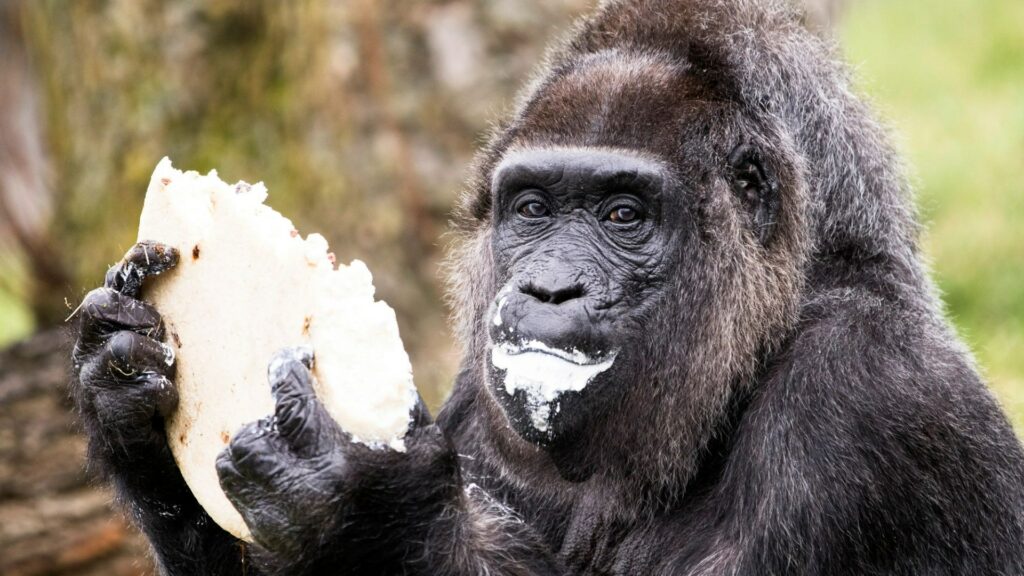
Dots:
{"x": 545, "y": 373}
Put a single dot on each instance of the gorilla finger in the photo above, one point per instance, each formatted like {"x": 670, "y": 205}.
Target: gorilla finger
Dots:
{"x": 231, "y": 480}
{"x": 147, "y": 391}
{"x": 241, "y": 491}
{"x": 127, "y": 413}
{"x": 257, "y": 453}
{"x": 146, "y": 258}
{"x": 161, "y": 392}
{"x": 250, "y": 500}
{"x": 301, "y": 419}
{"x": 129, "y": 356}
{"x": 125, "y": 361}
{"x": 105, "y": 310}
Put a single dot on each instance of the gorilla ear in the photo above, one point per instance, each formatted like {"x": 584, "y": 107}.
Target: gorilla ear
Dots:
{"x": 756, "y": 188}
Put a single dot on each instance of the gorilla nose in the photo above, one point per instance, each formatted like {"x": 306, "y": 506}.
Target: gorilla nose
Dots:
{"x": 552, "y": 294}
{"x": 552, "y": 309}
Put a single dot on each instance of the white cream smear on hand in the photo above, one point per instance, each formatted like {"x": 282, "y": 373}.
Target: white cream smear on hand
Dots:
{"x": 545, "y": 373}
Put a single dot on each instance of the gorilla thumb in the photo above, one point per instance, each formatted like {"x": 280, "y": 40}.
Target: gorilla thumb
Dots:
{"x": 299, "y": 417}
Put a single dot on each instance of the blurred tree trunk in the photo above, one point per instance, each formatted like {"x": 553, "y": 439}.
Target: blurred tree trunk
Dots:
{"x": 26, "y": 198}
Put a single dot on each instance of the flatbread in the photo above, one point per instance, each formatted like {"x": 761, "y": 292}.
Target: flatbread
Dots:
{"x": 246, "y": 286}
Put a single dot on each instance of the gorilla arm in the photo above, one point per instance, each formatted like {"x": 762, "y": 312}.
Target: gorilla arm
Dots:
{"x": 318, "y": 503}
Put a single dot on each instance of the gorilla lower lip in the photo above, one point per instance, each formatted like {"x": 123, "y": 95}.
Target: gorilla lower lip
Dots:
{"x": 545, "y": 373}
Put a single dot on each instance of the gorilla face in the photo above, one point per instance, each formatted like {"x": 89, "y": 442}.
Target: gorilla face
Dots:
{"x": 581, "y": 245}
{"x": 633, "y": 219}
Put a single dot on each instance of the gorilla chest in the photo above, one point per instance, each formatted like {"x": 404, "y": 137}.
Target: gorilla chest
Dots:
{"x": 594, "y": 544}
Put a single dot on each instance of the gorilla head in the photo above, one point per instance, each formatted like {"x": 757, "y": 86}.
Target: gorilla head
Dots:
{"x": 634, "y": 243}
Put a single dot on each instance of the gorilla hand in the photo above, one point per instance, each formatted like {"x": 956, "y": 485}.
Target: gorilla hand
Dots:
{"x": 123, "y": 390}
{"x": 317, "y": 501}
{"x": 123, "y": 372}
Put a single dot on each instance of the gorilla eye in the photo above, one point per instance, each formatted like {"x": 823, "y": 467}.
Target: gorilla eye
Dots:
{"x": 623, "y": 215}
{"x": 533, "y": 209}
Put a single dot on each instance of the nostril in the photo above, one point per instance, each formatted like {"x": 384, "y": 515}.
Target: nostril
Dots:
{"x": 566, "y": 294}
{"x": 553, "y": 296}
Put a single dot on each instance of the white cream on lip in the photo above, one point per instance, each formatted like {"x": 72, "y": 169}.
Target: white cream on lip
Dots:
{"x": 497, "y": 314}
{"x": 545, "y": 373}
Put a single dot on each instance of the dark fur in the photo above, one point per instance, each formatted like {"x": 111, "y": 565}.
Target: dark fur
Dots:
{"x": 795, "y": 403}
{"x": 852, "y": 435}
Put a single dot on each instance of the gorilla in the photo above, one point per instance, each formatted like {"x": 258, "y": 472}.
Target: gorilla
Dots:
{"x": 698, "y": 339}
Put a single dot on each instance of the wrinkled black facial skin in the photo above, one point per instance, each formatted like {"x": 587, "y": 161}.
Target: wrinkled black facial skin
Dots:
{"x": 691, "y": 187}
{"x": 581, "y": 249}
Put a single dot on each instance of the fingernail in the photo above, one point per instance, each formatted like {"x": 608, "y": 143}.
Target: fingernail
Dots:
{"x": 305, "y": 354}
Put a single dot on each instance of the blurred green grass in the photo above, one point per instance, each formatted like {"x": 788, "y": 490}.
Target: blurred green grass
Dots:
{"x": 949, "y": 79}
{"x": 15, "y": 318}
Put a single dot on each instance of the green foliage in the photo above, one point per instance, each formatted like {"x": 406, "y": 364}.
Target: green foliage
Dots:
{"x": 950, "y": 79}
{"x": 15, "y": 318}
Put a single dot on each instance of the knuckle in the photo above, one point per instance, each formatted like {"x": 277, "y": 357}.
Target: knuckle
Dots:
{"x": 98, "y": 300}
{"x": 225, "y": 466}
{"x": 105, "y": 310}
{"x": 133, "y": 312}
{"x": 257, "y": 461}
{"x": 129, "y": 357}
{"x": 257, "y": 451}
{"x": 247, "y": 440}
{"x": 122, "y": 344}
{"x": 95, "y": 308}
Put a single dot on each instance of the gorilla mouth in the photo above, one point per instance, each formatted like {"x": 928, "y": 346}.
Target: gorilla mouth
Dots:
{"x": 544, "y": 373}
{"x": 573, "y": 356}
